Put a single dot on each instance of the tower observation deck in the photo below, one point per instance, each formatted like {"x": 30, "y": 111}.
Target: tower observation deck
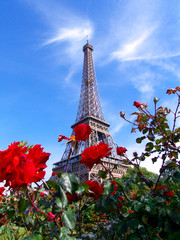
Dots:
{"x": 90, "y": 112}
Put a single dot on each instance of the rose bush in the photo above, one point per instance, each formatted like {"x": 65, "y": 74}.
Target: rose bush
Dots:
{"x": 137, "y": 206}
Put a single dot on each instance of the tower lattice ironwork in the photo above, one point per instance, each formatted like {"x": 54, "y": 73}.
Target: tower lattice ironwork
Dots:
{"x": 90, "y": 112}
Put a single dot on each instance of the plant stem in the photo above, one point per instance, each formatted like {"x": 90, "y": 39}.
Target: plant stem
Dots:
{"x": 38, "y": 210}
{"x": 107, "y": 170}
{"x": 175, "y": 114}
{"x": 68, "y": 159}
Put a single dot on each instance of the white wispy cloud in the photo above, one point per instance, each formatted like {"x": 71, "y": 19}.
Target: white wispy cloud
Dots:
{"x": 129, "y": 51}
{"x": 116, "y": 127}
{"x": 73, "y": 34}
{"x": 144, "y": 83}
{"x": 143, "y": 33}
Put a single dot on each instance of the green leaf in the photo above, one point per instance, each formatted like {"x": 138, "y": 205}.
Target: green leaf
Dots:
{"x": 151, "y": 137}
{"x": 82, "y": 188}
{"x": 133, "y": 223}
{"x": 108, "y": 187}
{"x": 23, "y": 204}
{"x": 139, "y": 140}
{"x": 158, "y": 141}
{"x": 145, "y": 219}
{"x": 119, "y": 183}
{"x": 133, "y": 236}
{"x": 174, "y": 235}
{"x": 138, "y": 206}
{"x": 176, "y": 175}
{"x": 102, "y": 174}
{"x": 147, "y": 208}
{"x": 105, "y": 202}
{"x": 145, "y": 130}
{"x": 154, "y": 159}
{"x": 59, "y": 174}
{"x": 149, "y": 146}
{"x": 60, "y": 200}
{"x": 34, "y": 236}
{"x": 174, "y": 215}
{"x": 29, "y": 221}
{"x": 69, "y": 219}
{"x": 158, "y": 148}
{"x": 52, "y": 184}
{"x": 121, "y": 228}
{"x": 69, "y": 182}
{"x": 64, "y": 234}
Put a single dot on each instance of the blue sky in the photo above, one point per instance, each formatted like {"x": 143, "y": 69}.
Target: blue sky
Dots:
{"x": 136, "y": 55}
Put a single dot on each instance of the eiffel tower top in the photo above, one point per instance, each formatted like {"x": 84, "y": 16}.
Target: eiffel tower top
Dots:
{"x": 89, "y": 103}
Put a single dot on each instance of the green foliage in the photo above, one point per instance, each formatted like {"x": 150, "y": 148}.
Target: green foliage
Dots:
{"x": 140, "y": 205}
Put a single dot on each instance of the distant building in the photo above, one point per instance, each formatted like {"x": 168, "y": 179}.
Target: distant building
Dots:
{"x": 90, "y": 112}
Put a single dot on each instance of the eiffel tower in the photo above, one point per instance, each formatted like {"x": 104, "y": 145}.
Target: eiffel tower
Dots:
{"x": 90, "y": 112}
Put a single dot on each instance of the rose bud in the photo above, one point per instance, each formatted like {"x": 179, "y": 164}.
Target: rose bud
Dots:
{"x": 121, "y": 150}
{"x": 138, "y": 104}
{"x": 122, "y": 114}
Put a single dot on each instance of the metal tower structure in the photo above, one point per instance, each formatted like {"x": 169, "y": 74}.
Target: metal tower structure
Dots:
{"x": 90, "y": 112}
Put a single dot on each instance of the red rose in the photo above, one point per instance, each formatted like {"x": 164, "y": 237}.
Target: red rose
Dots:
{"x": 95, "y": 187}
{"x": 82, "y": 132}
{"x": 72, "y": 198}
{"x": 137, "y": 104}
{"x": 18, "y": 167}
{"x": 53, "y": 173}
{"x": 38, "y": 157}
{"x": 169, "y": 194}
{"x": 93, "y": 154}
{"x": 160, "y": 187}
{"x": 121, "y": 150}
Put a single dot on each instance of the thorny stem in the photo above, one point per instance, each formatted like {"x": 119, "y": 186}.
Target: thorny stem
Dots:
{"x": 38, "y": 210}
{"x": 175, "y": 114}
{"x": 47, "y": 187}
{"x": 124, "y": 193}
{"x": 68, "y": 159}
{"x": 161, "y": 172}
{"x": 130, "y": 121}
{"x": 155, "y": 111}
{"x": 61, "y": 220}
{"x": 80, "y": 218}
{"x": 107, "y": 170}
{"x": 147, "y": 112}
